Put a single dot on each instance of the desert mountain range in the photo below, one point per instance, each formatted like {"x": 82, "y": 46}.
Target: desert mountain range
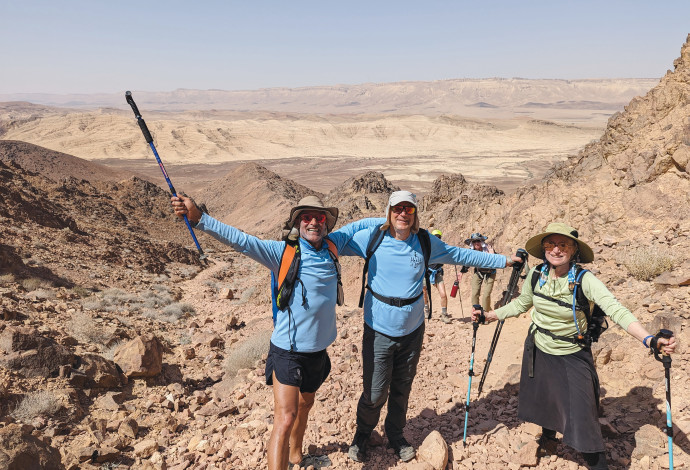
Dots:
{"x": 119, "y": 348}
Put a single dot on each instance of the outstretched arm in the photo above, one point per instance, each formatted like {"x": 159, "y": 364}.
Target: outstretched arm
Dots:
{"x": 265, "y": 252}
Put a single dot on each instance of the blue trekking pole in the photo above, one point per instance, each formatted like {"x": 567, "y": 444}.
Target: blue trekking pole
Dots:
{"x": 475, "y": 327}
{"x": 665, "y": 359}
{"x": 149, "y": 140}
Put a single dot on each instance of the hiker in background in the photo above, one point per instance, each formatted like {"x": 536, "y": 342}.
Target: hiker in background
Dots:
{"x": 297, "y": 362}
{"x": 477, "y": 241}
{"x": 436, "y": 279}
{"x": 394, "y": 315}
{"x": 559, "y": 386}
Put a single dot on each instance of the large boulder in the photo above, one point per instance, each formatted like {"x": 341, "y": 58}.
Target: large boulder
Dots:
{"x": 101, "y": 372}
{"x": 19, "y": 450}
{"x": 141, "y": 357}
{"x": 31, "y": 354}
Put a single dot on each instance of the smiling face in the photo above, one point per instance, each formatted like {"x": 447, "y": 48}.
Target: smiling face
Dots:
{"x": 559, "y": 250}
{"x": 312, "y": 227}
{"x": 476, "y": 245}
{"x": 402, "y": 217}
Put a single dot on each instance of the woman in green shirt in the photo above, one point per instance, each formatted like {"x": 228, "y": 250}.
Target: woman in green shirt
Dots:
{"x": 559, "y": 386}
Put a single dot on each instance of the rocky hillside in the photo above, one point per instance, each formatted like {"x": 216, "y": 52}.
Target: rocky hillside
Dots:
{"x": 55, "y": 165}
{"x": 120, "y": 349}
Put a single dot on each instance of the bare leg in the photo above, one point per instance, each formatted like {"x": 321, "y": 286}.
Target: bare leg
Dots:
{"x": 306, "y": 401}
{"x": 285, "y": 404}
{"x": 442, "y": 293}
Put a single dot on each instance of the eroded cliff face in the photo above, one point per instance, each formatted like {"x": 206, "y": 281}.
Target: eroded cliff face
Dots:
{"x": 633, "y": 184}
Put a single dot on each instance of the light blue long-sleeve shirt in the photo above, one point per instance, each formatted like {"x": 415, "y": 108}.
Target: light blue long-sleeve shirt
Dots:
{"x": 310, "y": 327}
{"x": 396, "y": 269}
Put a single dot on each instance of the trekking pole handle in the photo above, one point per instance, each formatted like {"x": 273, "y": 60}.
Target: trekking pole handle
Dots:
{"x": 521, "y": 253}
{"x": 142, "y": 124}
{"x": 482, "y": 317}
{"x": 656, "y": 348}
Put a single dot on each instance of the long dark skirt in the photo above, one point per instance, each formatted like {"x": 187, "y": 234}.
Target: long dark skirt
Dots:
{"x": 563, "y": 396}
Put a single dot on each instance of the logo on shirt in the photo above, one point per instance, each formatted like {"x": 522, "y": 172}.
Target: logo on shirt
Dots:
{"x": 415, "y": 260}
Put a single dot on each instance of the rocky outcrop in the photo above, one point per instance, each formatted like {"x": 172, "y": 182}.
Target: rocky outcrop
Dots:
{"x": 32, "y": 354}
{"x": 361, "y": 196}
{"x": 20, "y": 450}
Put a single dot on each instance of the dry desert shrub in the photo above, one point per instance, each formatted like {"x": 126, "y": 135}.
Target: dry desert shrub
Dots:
{"x": 41, "y": 403}
{"x": 6, "y": 279}
{"x": 33, "y": 283}
{"x": 108, "y": 351}
{"x": 245, "y": 354}
{"x": 646, "y": 262}
{"x": 170, "y": 313}
{"x": 85, "y": 329}
{"x": 117, "y": 300}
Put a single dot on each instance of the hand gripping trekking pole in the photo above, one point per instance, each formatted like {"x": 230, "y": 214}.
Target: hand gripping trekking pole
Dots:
{"x": 475, "y": 326}
{"x": 665, "y": 359}
{"x": 149, "y": 140}
{"x": 507, "y": 297}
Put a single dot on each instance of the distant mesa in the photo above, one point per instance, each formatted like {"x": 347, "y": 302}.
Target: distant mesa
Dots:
{"x": 483, "y": 104}
{"x": 573, "y": 105}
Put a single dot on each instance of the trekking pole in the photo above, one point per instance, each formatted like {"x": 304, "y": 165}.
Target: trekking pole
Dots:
{"x": 665, "y": 359}
{"x": 475, "y": 327}
{"x": 507, "y": 297}
{"x": 149, "y": 140}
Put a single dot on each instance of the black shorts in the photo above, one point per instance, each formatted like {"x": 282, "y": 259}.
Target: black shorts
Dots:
{"x": 304, "y": 370}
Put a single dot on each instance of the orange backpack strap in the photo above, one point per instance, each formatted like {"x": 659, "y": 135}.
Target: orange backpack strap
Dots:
{"x": 286, "y": 262}
{"x": 332, "y": 248}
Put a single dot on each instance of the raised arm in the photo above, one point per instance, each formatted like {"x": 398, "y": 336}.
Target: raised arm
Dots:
{"x": 265, "y": 252}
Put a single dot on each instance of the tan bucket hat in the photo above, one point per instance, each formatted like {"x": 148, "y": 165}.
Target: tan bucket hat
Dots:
{"x": 534, "y": 248}
{"x": 313, "y": 203}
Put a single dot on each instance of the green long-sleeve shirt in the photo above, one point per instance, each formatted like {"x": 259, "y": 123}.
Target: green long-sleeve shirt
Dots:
{"x": 558, "y": 319}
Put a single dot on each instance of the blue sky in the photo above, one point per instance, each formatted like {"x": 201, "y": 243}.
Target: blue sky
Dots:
{"x": 76, "y": 46}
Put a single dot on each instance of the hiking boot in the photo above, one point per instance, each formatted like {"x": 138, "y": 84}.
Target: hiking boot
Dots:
{"x": 547, "y": 446}
{"x": 358, "y": 448}
{"x": 445, "y": 318}
{"x": 403, "y": 449}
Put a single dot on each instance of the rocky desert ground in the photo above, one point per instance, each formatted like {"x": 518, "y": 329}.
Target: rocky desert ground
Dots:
{"x": 119, "y": 348}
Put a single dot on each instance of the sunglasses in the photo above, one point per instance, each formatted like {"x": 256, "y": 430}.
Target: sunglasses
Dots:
{"x": 320, "y": 217}
{"x": 548, "y": 246}
{"x": 407, "y": 209}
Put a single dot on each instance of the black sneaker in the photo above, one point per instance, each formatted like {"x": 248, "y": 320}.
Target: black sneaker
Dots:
{"x": 358, "y": 448}
{"x": 403, "y": 449}
{"x": 547, "y": 446}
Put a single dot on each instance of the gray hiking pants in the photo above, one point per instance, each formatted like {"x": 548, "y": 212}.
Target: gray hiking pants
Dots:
{"x": 389, "y": 365}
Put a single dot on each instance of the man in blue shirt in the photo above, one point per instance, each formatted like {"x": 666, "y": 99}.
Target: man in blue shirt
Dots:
{"x": 297, "y": 362}
{"x": 394, "y": 318}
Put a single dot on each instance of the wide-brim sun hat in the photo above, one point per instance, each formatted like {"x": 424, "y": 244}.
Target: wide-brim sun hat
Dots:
{"x": 476, "y": 236}
{"x": 313, "y": 203}
{"x": 534, "y": 245}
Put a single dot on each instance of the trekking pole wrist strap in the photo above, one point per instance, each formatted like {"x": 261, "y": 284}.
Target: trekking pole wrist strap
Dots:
{"x": 644, "y": 341}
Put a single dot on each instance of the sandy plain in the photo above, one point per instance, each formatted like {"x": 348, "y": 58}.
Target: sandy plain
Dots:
{"x": 505, "y": 132}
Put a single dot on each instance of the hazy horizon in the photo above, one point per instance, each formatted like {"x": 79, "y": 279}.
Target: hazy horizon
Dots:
{"x": 90, "y": 47}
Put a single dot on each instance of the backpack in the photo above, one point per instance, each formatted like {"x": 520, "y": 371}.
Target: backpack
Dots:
{"x": 283, "y": 287}
{"x": 374, "y": 242}
{"x": 596, "y": 318}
